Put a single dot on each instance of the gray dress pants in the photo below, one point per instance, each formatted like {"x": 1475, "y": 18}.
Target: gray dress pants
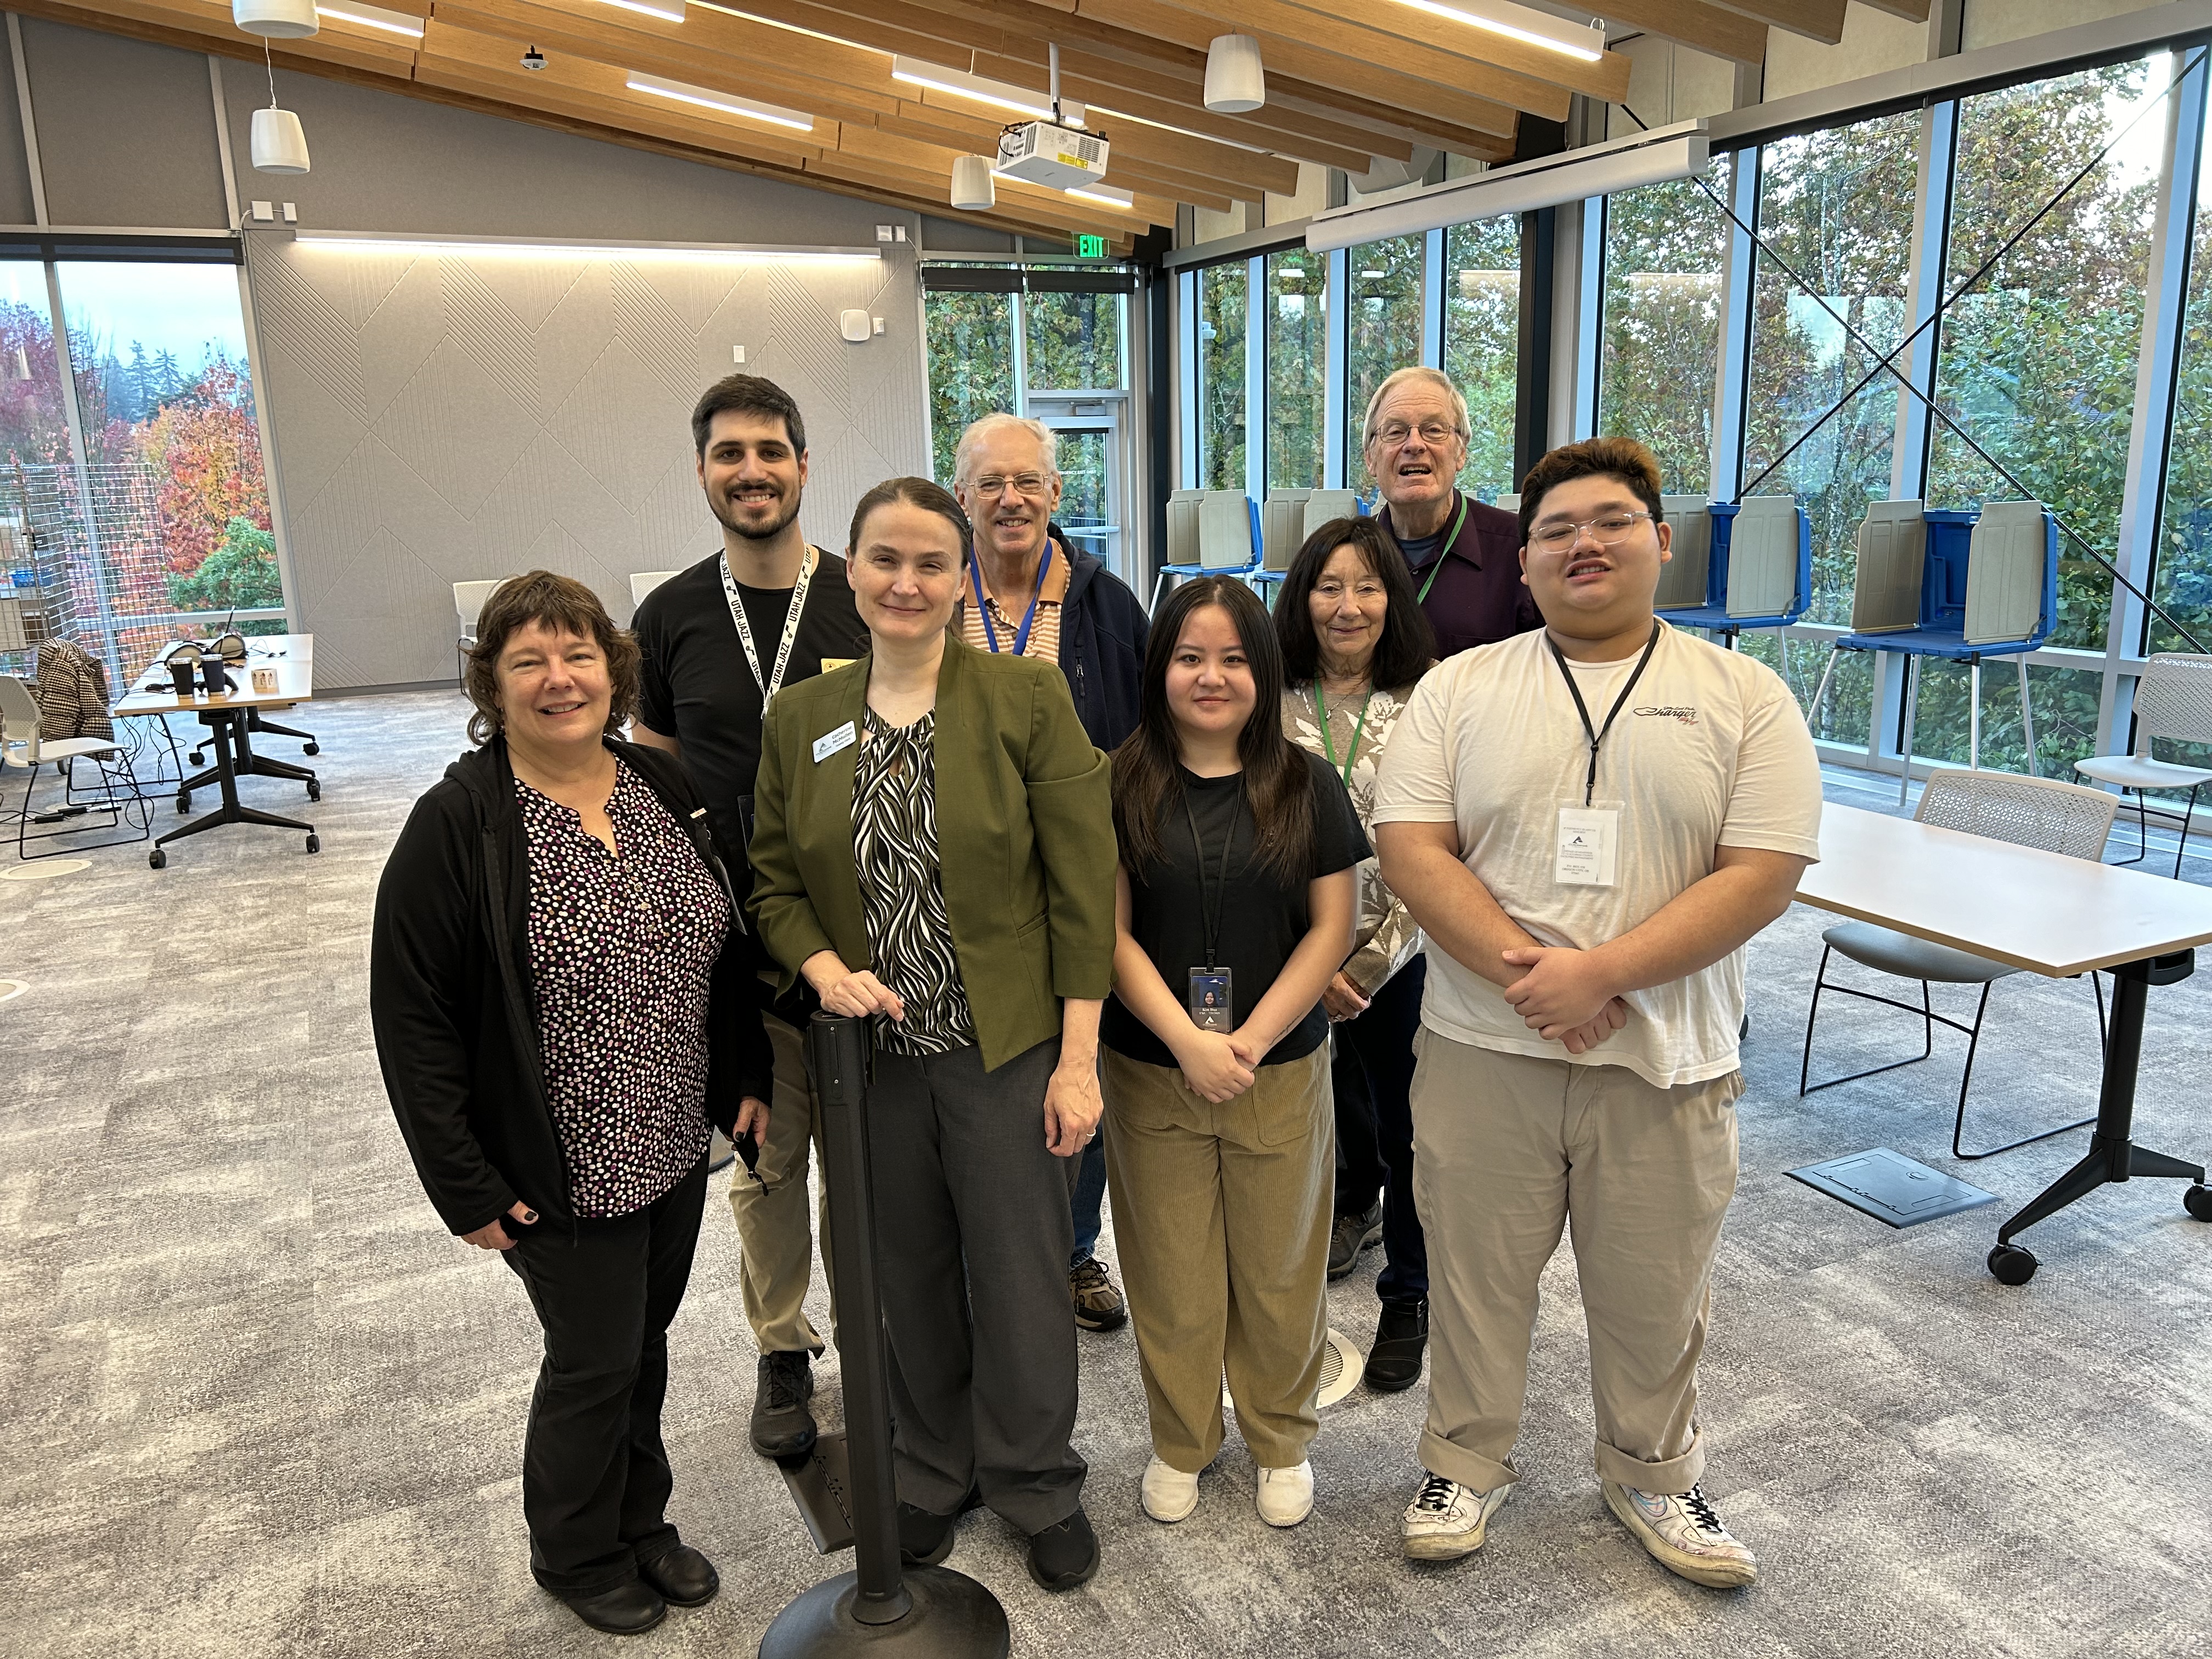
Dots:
{"x": 972, "y": 1240}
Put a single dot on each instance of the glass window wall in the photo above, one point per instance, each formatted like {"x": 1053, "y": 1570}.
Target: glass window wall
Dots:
{"x": 1074, "y": 341}
{"x": 1384, "y": 324}
{"x": 1482, "y": 344}
{"x": 971, "y": 367}
{"x": 1221, "y": 299}
{"x": 1666, "y": 248}
{"x": 1297, "y": 367}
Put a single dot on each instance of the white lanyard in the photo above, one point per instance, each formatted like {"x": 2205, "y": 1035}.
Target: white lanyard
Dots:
{"x": 774, "y": 681}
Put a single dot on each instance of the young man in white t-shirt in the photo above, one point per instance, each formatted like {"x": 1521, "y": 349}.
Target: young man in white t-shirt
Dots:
{"x": 1587, "y": 823}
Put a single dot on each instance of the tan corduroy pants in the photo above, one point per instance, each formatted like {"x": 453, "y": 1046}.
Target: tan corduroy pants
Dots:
{"x": 1508, "y": 1150}
{"x": 1221, "y": 1218}
{"x": 774, "y": 1215}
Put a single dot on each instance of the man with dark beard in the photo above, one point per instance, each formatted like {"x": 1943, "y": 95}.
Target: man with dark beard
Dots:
{"x": 718, "y": 641}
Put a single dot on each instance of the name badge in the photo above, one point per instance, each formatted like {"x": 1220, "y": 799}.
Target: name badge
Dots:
{"x": 1588, "y": 844}
{"x": 830, "y": 741}
{"x": 1212, "y": 1002}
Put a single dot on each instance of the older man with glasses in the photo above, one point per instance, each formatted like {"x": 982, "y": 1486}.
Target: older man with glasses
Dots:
{"x": 1028, "y": 592}
{"x": 1465, "y": 555}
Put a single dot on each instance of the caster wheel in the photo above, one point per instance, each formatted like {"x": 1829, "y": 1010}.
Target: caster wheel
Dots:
{"x": 314, "y": 792}
{"x": 2011, "y": 1264}
{"x": 198, "y": 758}
{"x": 311, "y": 749}
{"x": 184, "y": 803}
{"x": 2198, "y": 1200}
{"x": 314, "y": 843}
{"x": 157, "y": 860}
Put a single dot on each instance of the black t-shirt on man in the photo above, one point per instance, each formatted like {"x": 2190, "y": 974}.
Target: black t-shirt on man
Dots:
{"x": 696, "y": 686}
{"x": 1262, "y": 917}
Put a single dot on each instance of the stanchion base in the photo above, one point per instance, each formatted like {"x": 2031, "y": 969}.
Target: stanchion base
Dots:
{"x": 953, "y": 1617}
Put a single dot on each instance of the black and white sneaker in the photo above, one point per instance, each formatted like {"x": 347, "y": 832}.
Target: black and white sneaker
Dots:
{"x": 1684, "y": 1534}
{"x": 1446, "y": 1520}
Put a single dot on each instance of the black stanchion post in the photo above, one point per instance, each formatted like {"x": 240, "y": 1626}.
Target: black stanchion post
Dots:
{"x": 877, "y": 1608}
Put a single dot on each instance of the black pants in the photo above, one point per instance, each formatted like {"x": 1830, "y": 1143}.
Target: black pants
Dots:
{"x": 595, "y": 1480}
{"x": 1373, "y": 1073}
{"x": 972, "y": 1238}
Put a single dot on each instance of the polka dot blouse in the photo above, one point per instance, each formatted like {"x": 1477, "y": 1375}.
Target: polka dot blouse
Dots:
{"x": 622, "y": 950}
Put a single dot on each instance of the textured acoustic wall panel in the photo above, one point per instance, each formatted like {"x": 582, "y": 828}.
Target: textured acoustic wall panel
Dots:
{"x": 439, "y": 418}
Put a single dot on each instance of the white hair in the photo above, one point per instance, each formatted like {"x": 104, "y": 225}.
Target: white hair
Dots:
{"x": 977, "y": 430}
{"x": 1397, "y": 378}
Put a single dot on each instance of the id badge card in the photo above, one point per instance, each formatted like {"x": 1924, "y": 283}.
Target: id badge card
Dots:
{"x": 1212, "y": 1007}
{"x": 1586, "y": 846}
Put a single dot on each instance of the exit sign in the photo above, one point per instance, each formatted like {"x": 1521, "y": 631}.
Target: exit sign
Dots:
{"x": 1091, "y": 247}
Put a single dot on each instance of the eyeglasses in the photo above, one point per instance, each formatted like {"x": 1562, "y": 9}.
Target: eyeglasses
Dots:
{"x": 1026, "y": 483}
{"x": 1393, "y": 434}
{"x": 1608, "y": 531}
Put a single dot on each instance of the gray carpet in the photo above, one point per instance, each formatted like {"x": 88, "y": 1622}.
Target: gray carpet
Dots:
{"x": 258, "y": 1403}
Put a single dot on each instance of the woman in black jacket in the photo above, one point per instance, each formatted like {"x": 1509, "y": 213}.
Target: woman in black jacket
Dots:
{"x": 561, "y": 1011}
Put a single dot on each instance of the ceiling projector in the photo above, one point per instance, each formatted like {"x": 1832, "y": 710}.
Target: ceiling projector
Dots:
{"x": 1057, "y": 157}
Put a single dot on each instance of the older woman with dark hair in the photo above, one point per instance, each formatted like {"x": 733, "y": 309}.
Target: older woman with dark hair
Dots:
{"x": 1355, "y": 642}
{"x": 984, "y": 975}
{"x": 560, "y": 1013}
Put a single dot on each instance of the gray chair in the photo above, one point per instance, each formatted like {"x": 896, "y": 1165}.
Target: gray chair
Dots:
{"x": 118, "y": 796}
{"x": 2058, "y": 817}
{"x": 468, "y": 600}
{"x": 2173, "y": 699}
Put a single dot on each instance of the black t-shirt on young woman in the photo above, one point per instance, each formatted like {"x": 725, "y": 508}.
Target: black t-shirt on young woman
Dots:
{"x": 1262, "y": 917}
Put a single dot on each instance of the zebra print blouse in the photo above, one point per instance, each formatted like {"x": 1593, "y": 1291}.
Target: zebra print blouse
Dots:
{"x": 894, "y": 849}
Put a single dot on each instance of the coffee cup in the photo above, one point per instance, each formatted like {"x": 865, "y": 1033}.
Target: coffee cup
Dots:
{"x": 264, "y": 680}
{"x": 212, "y": 677}
{"x": 181, "y": 673}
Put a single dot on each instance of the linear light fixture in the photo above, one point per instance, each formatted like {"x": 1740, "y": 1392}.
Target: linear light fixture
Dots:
{"x": 375, "y": 17}
{"x": 1105, "y": 196}
{"x": 1000, "y": 94}
{"x": 725, "y": 102}
{"x": 1679, "y": 151}
{"x": 369, "y": 241}
{"x": 1522, "y": 23}
{"x": 668, "y": 11}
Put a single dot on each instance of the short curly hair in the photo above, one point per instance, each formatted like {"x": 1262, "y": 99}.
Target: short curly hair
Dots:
{"x": 1605, "y": 457}
{"x": 562, "y": 605}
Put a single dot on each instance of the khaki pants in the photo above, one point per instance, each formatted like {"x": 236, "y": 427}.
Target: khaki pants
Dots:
{"x": 1221, "y": 1218}
{"x": 1507, "y": 1150}
{"x": 774, "y": 1235}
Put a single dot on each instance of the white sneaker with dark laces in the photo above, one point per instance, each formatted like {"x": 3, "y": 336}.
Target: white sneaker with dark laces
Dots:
{"x": 1446, "y": 1520}
{"x": 1684, "y": 1534}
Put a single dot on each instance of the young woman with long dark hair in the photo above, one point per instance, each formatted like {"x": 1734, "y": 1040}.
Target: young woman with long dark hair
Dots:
{"x": 1234, "y": 908}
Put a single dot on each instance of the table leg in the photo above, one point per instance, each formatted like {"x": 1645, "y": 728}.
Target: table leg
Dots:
{"x": 2112, "y": 1155}
{"x": 222, "y": 726}
{"x": 2027, "y": 716}
{"x": 1911, "y": 716}
{"x": 1974, "y": 713}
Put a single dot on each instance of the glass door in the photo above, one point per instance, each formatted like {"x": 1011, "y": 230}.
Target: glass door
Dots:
{"x": 1092, "y": 468}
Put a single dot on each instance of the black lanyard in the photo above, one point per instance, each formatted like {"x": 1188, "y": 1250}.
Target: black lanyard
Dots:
{"x": 1210, "y": 902}
{"x": 1597, "y": 735}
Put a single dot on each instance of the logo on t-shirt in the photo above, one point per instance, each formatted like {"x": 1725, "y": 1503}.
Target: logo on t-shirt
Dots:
{"x": 1686, "y": 712}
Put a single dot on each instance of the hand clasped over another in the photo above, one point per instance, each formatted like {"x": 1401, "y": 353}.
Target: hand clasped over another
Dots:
{"x": 1563, "y": 996}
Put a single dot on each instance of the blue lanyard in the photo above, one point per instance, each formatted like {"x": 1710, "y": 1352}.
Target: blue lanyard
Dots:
{"x": 1028, "y": 621}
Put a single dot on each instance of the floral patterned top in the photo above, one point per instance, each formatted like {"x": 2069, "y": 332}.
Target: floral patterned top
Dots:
{"x": 895, "y": 851}
{"x": 1384, "y": 935}
{"x": 622, "y": 950}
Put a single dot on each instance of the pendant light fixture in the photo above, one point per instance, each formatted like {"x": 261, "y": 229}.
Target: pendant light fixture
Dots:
{"x": 285, "y": 20}
{"x": 1235, "y": 82}
{"x": 973, "y": 189}
{"x": 279, "y": 144}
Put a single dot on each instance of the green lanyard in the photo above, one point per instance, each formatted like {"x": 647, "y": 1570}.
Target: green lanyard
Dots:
{"x": 1358, "y": 726}
{"x": 1422, "y": 597}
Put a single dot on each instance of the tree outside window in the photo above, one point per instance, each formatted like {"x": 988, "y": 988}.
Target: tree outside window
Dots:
{"x": 1482, "y": 344}
{"x": 1383, "y": 321}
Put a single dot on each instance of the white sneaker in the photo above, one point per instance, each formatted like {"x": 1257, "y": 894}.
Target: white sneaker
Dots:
{"x": 1285, "y": 1496}
{"x": 1170, "y": 1494}
{"x": 1684, "y": 1534}
{"x": 1446, "y": 1520}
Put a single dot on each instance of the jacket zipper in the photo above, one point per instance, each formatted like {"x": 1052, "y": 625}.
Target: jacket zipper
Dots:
{"x": 532, "y": 1062}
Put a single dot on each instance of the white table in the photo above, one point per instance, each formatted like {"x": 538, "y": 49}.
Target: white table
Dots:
{"x": 2050, "y": 915}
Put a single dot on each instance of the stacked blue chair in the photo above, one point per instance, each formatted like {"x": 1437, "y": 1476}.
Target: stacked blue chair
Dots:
{"x": 1210, "y": 533}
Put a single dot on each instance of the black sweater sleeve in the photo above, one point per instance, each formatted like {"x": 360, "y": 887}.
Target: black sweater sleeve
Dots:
{"x": 422, "y": 1008}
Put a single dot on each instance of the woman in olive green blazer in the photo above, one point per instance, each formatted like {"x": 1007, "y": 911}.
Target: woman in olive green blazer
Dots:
{"x": 984, "y": 972}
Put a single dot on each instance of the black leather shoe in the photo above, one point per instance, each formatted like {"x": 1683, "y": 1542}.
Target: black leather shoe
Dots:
{"x": 925, "y": 1538}
{"x": 1395, "y": 1362}
{"x": 782, "y": 1426}
{"x": 1348, "y": 1235}
{"x": 685, "y": 1578}
{"x": 1064, "y": 1556}
{"x": 624, "y": 1610}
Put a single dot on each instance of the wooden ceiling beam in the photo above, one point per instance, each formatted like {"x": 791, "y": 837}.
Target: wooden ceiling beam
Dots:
{"x": 1700, "y": 26}
{"x": 879, "y": 149}
{"x": 1364, "y": 28}
{"x": 1913, "y": 11}
{"x": 1816, "y": 20}
{"x": 1412, "y": 128}
{"x": 203, "y": 22}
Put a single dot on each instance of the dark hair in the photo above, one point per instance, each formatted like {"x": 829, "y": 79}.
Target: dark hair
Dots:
{"x": 1605, "y": 457}
{"x": 1278, "y": 781}
{"x": 562, "y": 605}
{"x": 914, "y": 492}
{"x": 1408, "y": 644}
{"x": 747, "y": 394}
